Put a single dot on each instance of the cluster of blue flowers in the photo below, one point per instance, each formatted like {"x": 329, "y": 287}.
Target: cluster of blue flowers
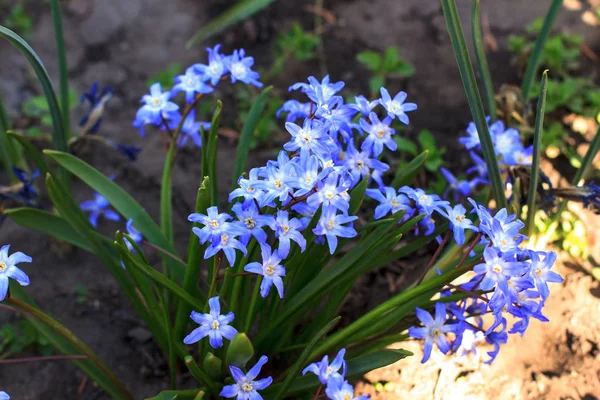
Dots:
{"x": 509, "y": 281}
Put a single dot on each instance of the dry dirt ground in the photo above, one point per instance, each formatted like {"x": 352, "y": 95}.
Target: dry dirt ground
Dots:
{"x": 122, "y": 43}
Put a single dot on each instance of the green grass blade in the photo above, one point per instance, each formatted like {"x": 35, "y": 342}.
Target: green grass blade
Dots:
{"x": 406, "y": 173}
{"x": 35, "y": 155}
{"x": 237, "y": 13}
{"x": 357, "y": 367}
{"x": 62, "y": 64}
{"x": 587, "y": 162}
{"x": 8, "y": 152}
{"x": 482, "y": 64}
{"x": 190, "y": 394}
{"x": 303, "y": 359}
{"x": 117, "y": 197}
{"x": 537, "y": 150}
{"x": 243, "y": 147}
{"x": 536, "y": 56}
{"x": 59, "y": 133}
{"x": 50, "y": 224}
{"x": 467, "y": 75}
{"x": 209, "y": 154}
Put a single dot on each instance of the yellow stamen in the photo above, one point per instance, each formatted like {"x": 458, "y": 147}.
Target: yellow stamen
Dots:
{"x": 215, "y": 324}
{"x": 3, "y": 266}
{"x": 270, "y": 270}
{"x": 214, "y": 224}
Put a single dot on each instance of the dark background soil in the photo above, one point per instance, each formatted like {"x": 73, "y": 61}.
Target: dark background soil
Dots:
{"x": 122, "y": 43}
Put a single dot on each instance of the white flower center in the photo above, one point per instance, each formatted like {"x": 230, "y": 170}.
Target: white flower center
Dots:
{"x": 381, "y": 133}
{"x": 270, "y": 270}
{"x": 214, "y": 224}
{"x": 247, "y": 387}
{"x": 360, "y": 164}
{"x": 459, "y": 218}
{"x": 285, "y": 228}
{"x": 239, "y": 69}
{"x": 215, "y": 325}
{"x": 329, "y": 195}
{"x": 330, "y": 224}
{"x": 278, "y": 184}
{"x": 538, "y": 270}
{"x": 394, "y": 203}
{"x": 224, "y": 239}
{"x": 250, "y": 223}
{"x": 497, "y": 268}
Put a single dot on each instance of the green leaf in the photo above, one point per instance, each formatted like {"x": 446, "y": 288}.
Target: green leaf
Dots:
{"x": 243, "y": 148}
{"x": 62, "y": 64}
{"x": 240, "y": 351}
{"x": 357, "y": 195}
{"x": 467, "y": 74}
{"x": 50, "y": 224}
{"x": 190, "y": 394}
{"x": 116, "y": 196}
{"x": 357, "y": 367}
{"x": 303, "y": 359}
{"x": 404, "y": 69}
{"x": 209, "y": 154}
{"x": 537, "y": 150}
{"x": 237, "y": 13}
{"x": 406, "y": 145}
{"x": 376, "y": 82}
{"x": 371, "y": 59}
{"x": 484, "y": 69}
{"x": 534, "y": 59}
{"x": 34, "y": 153}
{"x": 406, "y": 173}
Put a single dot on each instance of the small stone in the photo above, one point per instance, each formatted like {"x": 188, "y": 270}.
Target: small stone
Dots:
{"x": 139, "y": 334}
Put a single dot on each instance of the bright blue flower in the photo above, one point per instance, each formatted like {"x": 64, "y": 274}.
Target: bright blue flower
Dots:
{"x": 425, "y": 203}
{"x": 497, "y": 270}
{"x": 339, "y": 389}
{"x": 214, "y": 325}
{"x": 462, "y": 188}
{"x": 227, "y": 243}
{"x": 363, "y": 106}
{"x": 396, "y": 106}
{"x": 331, "y": 193}
{"x": 331, "y": 225}
{"x": 92, "y": 119}
{"x": 245, "y": 386}
{"x": 250, "y": 189}
{"x": 9, "y": 269}
{"x": 295, "y": 110}
{"x": 479, "y": 168}
{"x": 309, "y": 139}
{"x": 433, "y": 330}
{"x": 458, "y": 221}
{"x": 307, "y": 170}
{"x": 277, "y": 174}
{"x": 540, "y": 271}
{"x": 270, "y": 269}
{"x": 133, "y": 233}
{"x": 216, "y": 67}
{"x": 316, "y": 90}
{"x": 518, "y": 156}
{"x": 4, "y": 395}
{"x": 191, "y": 83}
{"x": 324, "y": 370}
{"x": 391, "y": 202}
{"x": 505, "y": 236}
{"x": 190, "y": 128}
{"x": 252, "y": 223}
{"x": 495, "y": 339}
{"x": 240, "y": 68}
{"x": 380, "y": 134}
{"x": 471, "y": 141}
{"x": 285, "y": 230}
{"x": 99, "y": 207}
{"x": 144, "y": 117}
{"x": 157, "y": 103}
{"x": 361, "y": 163}
{"x": 214, "y": 224}
{"x": 338, "y": 117}
{"x": 507, "y": 142}
{"x": 468, "y": 342}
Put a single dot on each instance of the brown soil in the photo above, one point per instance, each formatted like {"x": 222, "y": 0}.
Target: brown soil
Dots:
{"x": 122, "y": 43}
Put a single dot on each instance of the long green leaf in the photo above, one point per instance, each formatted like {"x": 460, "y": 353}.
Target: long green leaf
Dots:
{"x": 537, "y": 150}
{"x": 62, "y": 64}
{"x": 58, "y": 129}
{"x": 7, "y": 150}
{"x": 243, "y": 147}
{"x": 237, "y": 13}
{"x": 303, "y": 359}
{"x": 209, "y": 155}
{"x": 472, "y": 91}
{"x": 406, "y": 173}
{"x": 48, "y": 223}
{"x": 190, "y": 394}
{"x": 588, "y": 160}
{"x": 536, "y": 56}
{"x": 117, "y": 197}
{"x": 34, "y": 153}
{"x": 482, "y": 64}
{"x": 357, "y": 367}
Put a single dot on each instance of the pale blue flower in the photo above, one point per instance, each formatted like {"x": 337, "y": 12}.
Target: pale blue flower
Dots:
{"x": 270, "y": 269}
{"x": 215, "y": 69}
{"x": 380, "y": 134}
{"x": 240, "y": 67}
{"x": 288, "y": 229}
{"x": 332, "y": 226}
{"x": 324, "y": 370}
{"x": 433, "y": 330}
{"x": 214, "y": 325}
{"x": 9, "y": 269}
{"x": 339, "y": 389}
{"x": 4, "y": 395}
{"x": 245, "y": 386}
{"x": 191, "y": 83}
{"x": 540, "y": 271}
{"x": 396, "y": 107}
{"x": 99, "y": 207}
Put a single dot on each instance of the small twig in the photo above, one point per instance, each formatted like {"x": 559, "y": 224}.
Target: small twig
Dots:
{"x": 469, "y": 249}
{"x": 436, "y": 255}
{"x": 81, "y": 386}
{"x": 45, "y": 358}
{"x": 318, "y": 392}
{"x": 469, "y": 292}
{"x": 163, "y": 251}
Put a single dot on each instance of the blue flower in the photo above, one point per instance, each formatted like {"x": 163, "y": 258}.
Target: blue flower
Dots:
{"x": 331, "y": 225}
{"x": 540, "y": 271}
{"x": 339, "y": 389}
{"x": 295, "y": 110}
{"x": 245, "y": 386}
{"x": 214, "y": 224}
{"x": 309, "y": 139}
{"x": 425, "y": 203}
{"x": 433, "y": 330}
{"x": 99, "y": 207}
{"x": 214, "y": 325}
{"x": 324, "y": 370}
{"x": 285, "y": 230}
{"x": 479, "y": 168}
{"x": 157, "y": 102}
{"x": 391, "y": 202}
{"x": 131, "y": 152}
{"x": 396, "y": 106}
{"x": 363, "y": 106}
{"x": 462, "y": 188}
{"x": 250, "y": 189}
{"x": 252, "y": 223}
{"x": 471, "y": 141}
{"x": 4, "y": 395}
{"x": 92, "y": 119}
{"x": 495, "y": 339}
{"x": 133, "y": 233}
{"x": 277, "y": 174}
{"x": 190, "y": 128}
{"x": 458, "y": 221}
{"x": 505, "y": 236}
{"x": 228, "y": 243}
{"x": 507, "y": 142}
{"x": 240, "y": 67}
{"x": 497, "y": 269}
{"x": 319, "y": 92}
{"x": 191, "y": 83}
{"x": 216, "y": 67}
{"x": 330, "y": 194}
{"x": 271, "y": 271}
{"x": 380, "y": 133}
{"x": 307, "y": 170}
{"x": 9, "y": 269}
{"x": 360, "y": 164}
{"x": 519, "y": 155}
